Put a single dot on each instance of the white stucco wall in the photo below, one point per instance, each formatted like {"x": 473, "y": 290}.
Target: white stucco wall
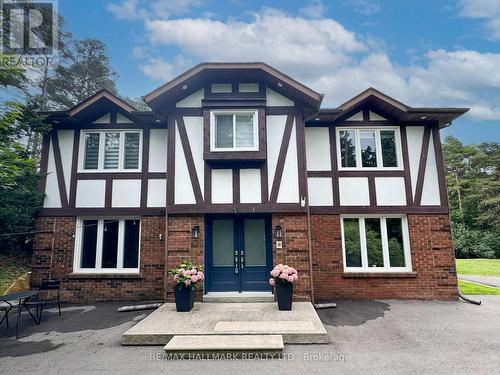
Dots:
{"x": 183, "y": 189}
{"x": 250, "y": 191}
{"x": 126, "y": 193}
{"x": 430, "y": 191}
{"x": 390, "y": 191}
{"x": 354, "y": 191}
{"x": 414, "y": 135}
{"x": 90, "y": 193}
{"x": 289, "y": 187}
{"x": 273, "y": 99}
{"x": 318, "y": 149}
{"x": 222, "y": 186}
{"x": 157, "y": 150}
{"x": 157, "y": 193}
{"x": 193, "y": 100}
{"x": 275, "y": 127}
{"x": 66, "y": 138}
{"x": 52, "y": 198}
{"x": 320, "y": 191}
{"x": 194, "y": 130}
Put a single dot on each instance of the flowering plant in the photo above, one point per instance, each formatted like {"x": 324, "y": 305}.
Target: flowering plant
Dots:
{"x": 186, "y": 274}
{"x": 283, "y": 274}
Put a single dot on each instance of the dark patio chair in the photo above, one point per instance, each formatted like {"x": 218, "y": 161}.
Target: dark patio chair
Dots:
{"x": 5, "y": 307}
{"x": 46, "y": 285}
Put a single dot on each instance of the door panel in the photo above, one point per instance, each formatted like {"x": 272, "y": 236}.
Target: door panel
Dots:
{"x": 238, "y": 254}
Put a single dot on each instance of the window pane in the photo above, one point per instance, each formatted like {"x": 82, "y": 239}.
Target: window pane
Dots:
{"x": 110, "y": 244}
{"x": 111, "y": 150}
{"x": 374, "y": 242}
{"x": 91, "y": 150}
{"x": 244, "y": 131}
{"x": 368, "y": 148}
{"x": 351, "y": 243}
{"x": 222, "y": 243}
{"x": 223, "y": 131}
{"x": 395, "y": 239}
{"x": 131, "y": 244}
{"x": 131, "y": 151}
{"x": 388, "y": 141}
{"x": 255, "y": 242}
{"x": 89, "y": 242}
{"x": 348, "y": 148}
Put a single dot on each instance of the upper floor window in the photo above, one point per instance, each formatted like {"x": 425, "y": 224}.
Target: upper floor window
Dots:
{"x": 111, "y": 150}
{"x": 234, "y": 131}
{"x": 369, "y": 148}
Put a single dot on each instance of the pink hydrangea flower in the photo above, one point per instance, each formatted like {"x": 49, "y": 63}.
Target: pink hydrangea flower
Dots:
{"x": 275, "y": 272}
{"x": 283, "y": 276}
{"x": 193, "y": 271}
{"x": 187, "y": 282}
{"x": 272, "y": 282}
{"x": 194, "y": 278}
{"x": 201, "y": 275}
{"x": 176, "y": 277}
{"x": 186, "y": 273}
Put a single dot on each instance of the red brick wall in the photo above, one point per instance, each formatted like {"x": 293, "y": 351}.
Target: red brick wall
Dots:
{"x": 433, "y": 262}
{"x": 295, "y": 251}
{"x": 53, "y": 258}
{"x": 182, "y": 247}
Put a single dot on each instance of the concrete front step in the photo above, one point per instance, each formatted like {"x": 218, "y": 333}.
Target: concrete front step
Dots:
{"x": 210, "y": 346}
{"x": 235, "y": 297}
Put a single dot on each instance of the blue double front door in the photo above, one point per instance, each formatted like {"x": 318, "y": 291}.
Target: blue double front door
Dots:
{"x": 238, "y": 253}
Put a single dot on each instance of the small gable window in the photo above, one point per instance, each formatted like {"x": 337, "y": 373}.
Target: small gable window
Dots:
{"x": 234, "y": 131}
{"x": 221, "y": 88}
{"x": 361, "y": 148}
{"x": 111, "y": 151}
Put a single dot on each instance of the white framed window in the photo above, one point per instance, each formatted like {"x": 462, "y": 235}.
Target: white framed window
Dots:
{"x": 110, "y": 151}
{"x": 375, "y": 243}
{"x": 370, "y": 148}
{"x": 107, "y": 245}
{"x": 235, "y": 130}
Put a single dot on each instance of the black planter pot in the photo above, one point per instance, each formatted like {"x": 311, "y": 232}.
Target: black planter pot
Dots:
{"x": 284, "y": 294}
{"x": 184, "y": 298}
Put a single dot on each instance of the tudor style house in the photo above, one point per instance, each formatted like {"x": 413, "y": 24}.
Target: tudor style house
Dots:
{"x": 236, "y": 167}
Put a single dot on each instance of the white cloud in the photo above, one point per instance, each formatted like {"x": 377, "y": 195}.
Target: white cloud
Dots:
{"x": 135, "y": 9}
{"x": 330, "y": 59}
{"x": 488, "y": 10}
{"x": 315, "y": 9}
{"x": 157, "y": 69}
{"x": 365, "y": 7}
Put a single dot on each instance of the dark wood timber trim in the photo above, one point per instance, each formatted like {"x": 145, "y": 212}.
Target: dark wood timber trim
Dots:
{"x": 59, "y": 169}
{"x": 208, "y": 184}
{"x": 320, "y": 174}
{"x": 120, "y": 175}
{"x": 282, "y": 110}
{"x": 372, "y": 191}
{"x": 112, "y": 117}
{"x": 236, "y": 208}
{"x": 436, "y": 140}
{"x": 359, "y": 173}
{"x": 74, "y": 169}
{"x": 406, "y": 166}
{"x": 378, "y": 210}
{"x": 366, "y": 114}
{"x": 236, "y": 186}
{"x": 264, "y": 184}
{"x": 189, "y": 160}
{"x": 171, "y": 160}
{"x": 44, "y": 162}
{"x": 301, "y": 156}
{"x": 281, "y": 158}
{"x": 108, "y": 195}
{"x": 334, "y": 166}
{"x": 136, "y": 211}
{"x": 421, "y": 167}
{"x": 145, "y": 167}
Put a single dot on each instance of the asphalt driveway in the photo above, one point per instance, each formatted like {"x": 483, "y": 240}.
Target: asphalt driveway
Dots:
{"x": 367, "y": 337}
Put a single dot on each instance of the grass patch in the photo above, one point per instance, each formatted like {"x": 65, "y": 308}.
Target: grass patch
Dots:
{"x": 482, "y": 267}
{"x": 472, "y": 288}
{"x": 11, "y": 267}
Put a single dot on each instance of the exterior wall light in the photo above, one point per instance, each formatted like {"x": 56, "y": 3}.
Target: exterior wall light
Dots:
{"x": 195, "y": 232}
{"x": 279, "y": 231}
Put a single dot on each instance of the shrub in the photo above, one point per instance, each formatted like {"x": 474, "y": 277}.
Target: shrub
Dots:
{"x": 472, "y": 243}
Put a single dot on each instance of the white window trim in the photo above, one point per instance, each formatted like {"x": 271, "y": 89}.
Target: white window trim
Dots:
{"x": 98, "y": 259}
{"x": 377, "y": 129}
{"x": 385, "y": 246}
{"x": 253, "y": 112}
{"x": 102, "y": 138}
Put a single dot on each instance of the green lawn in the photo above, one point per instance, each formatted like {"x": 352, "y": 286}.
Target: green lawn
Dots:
{"x": 10, "y": 269}
{"x": 472, "y": 288}
{"x": 483, "y": 267}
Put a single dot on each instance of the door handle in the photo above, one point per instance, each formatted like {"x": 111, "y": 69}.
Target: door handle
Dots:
{"x": 236, "y": 261}
{"x": 242, "y": 259}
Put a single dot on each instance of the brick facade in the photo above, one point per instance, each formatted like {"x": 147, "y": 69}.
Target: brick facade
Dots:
{"x": 433, "y": 276}
{"x": 433, "y": 261}
{"x": 53, "y": 258}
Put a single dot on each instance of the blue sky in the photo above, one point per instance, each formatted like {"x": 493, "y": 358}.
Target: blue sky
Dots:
{"x": 424, "y": 53}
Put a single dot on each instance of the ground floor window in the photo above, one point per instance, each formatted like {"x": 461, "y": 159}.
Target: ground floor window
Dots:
{"x": 376, "y": 244}
{"x": 107, "y": 245}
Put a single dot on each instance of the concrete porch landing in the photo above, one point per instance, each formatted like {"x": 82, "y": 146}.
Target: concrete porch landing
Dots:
{"x": 299, "y": 326}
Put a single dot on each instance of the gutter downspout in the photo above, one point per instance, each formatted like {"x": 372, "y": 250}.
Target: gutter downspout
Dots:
{"x": 309, "y": 249}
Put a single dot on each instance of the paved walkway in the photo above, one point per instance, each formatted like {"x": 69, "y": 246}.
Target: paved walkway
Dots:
{"x": 493, "y": 281}
{"x": 366, "y": 337}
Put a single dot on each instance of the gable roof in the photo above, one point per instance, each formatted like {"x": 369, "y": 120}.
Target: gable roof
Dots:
{"x": 98, "y": 96}
{"x": 274, "y": 76}
{"x": 391, "y": 107}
